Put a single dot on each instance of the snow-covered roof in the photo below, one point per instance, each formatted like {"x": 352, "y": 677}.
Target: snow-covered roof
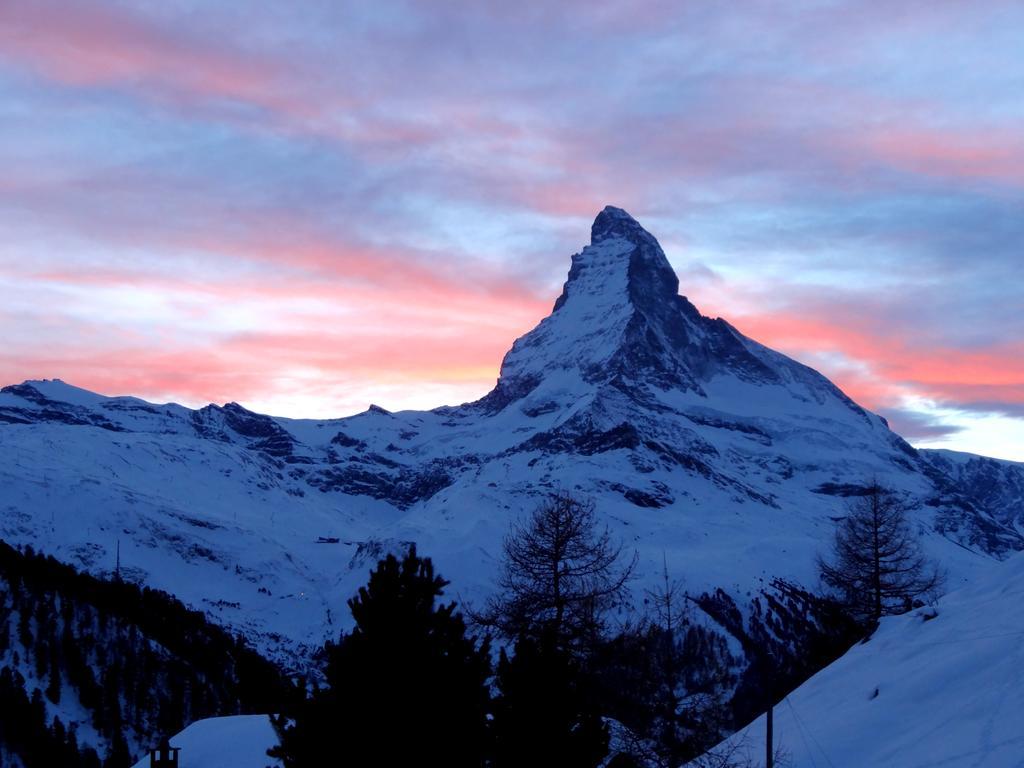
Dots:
{"x": 241, "y": 741}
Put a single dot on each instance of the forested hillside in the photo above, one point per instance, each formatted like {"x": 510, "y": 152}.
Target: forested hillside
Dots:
{"x": 92, "y": 671}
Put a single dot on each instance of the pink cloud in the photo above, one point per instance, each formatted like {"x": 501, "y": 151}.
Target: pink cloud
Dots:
{"x": 87, "y": 43}
{"x": 989, "y": 155}
{"x": 495, "y": 141}
{"x": 361, "y": 336}
{"x": 249, "y": 366}
{"x": 178, "y": 224}
{"x": 354, "y": 335}
{"x": 91, "y": 44}
{"x": 886, "y": 364}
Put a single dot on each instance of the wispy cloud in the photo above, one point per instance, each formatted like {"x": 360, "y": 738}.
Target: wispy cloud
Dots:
{"x": 368, "y": 193}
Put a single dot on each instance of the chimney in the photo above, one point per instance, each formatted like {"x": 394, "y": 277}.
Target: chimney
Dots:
{"x": 164, "y": 756}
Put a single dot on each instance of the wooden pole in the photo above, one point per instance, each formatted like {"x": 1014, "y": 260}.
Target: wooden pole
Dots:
{"x": 768, "y": 724}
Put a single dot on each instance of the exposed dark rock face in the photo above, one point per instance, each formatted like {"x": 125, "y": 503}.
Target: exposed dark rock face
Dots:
{"x": 347, "y": 442}
{"x": 50, "y": 411}
{"x": 402, "y": 487}
{"x": 575, "y": 438}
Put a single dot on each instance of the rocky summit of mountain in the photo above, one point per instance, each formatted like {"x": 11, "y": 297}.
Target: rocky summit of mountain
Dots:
{"x": 700, "y": 448}
{"x": 621, "y": 321}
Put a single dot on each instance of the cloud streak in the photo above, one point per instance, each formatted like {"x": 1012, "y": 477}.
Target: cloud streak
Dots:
{"x": 370, "y": 195}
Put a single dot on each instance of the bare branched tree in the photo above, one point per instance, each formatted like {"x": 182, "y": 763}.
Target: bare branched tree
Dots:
{"x": 877, "y": 567}
{"x": 669, "y": 609}
{"x": 668, "y": 618}
{"x": 737, "y": 753}
{"x": 562, "y": 575}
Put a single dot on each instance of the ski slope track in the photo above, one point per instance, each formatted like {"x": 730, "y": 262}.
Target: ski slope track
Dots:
{"x": 696, "y": 443}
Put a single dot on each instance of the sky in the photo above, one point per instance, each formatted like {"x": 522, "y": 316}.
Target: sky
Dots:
{"x": 311, "y": 206}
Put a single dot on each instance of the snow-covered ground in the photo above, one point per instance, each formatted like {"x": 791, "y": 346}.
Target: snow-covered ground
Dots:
{"x": 940, "y": 687}
{"x": 241, "y": 741}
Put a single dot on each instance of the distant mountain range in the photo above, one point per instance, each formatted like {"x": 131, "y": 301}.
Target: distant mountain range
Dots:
{"x": 698, "y": 445}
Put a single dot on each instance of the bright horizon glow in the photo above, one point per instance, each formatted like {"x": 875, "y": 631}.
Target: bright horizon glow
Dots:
{"x": 314, "y": 208}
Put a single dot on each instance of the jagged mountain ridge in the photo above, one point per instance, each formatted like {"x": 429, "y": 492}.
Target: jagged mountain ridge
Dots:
{"x": 697, "y": 444}
{"x": 620, "y": 320}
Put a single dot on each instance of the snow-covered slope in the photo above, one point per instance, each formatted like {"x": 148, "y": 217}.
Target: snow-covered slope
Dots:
{"x": 941, "y": 686}
{"x": 241, "y": 741}
{"x": 697, "y": 444}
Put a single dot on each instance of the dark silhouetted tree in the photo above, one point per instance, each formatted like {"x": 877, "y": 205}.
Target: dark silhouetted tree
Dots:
{"x": 562, "y": 574}
{"x": 664, "y": 681}
{"x": 876, "y": 567}
{"x": 687, "y": 712}
{"x": 406, "y": 687}
{"x": 546, "y": 713}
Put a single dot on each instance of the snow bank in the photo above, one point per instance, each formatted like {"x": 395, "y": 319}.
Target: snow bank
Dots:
{"x": 937, "y": 687}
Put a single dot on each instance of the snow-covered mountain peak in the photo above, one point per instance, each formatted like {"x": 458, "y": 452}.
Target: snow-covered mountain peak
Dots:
{"x": 55, "y": 390}
{"x": 623, "y": 260}
{"x": 620, "y": 320}
{"x": 614, "y": 222}
{"x": 697, "y": 444}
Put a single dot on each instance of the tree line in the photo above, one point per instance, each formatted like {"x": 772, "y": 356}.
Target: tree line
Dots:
{"x": 136, "y": 660}
{"x": 547, "y": 672}
{"x": 542, "y": 675}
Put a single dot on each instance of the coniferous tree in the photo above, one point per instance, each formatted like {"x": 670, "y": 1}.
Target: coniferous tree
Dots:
{"x": 685, "y": 704}
{"x": 562, "y": 574}
{"x": 118, "y": 649}
{"x": 119, "y": 757}
{"x": 53, "y": 687}
{"x": 877, "y": 567}
{"x": 406, "y": 687}
{"x": 546, "y": 712}
{"x": 664, "y": 680}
